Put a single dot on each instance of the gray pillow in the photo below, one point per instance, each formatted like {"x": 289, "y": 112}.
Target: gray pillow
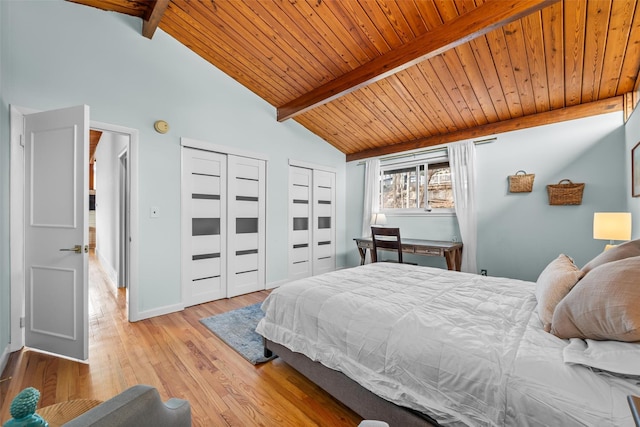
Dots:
{"x": 604, "y": 305}
{"x": 553, "y": 284}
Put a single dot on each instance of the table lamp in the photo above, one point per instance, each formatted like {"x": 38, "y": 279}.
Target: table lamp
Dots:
{"x": 612, "y": 226}
{"x": 378, "y": 219}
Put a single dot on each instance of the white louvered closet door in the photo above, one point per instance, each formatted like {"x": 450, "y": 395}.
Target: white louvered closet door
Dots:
{"x": 324, "y": 228}
{"x": 204, "y": 226}
{"x": 246, "y": 226}
{"x": 300, "y": 222}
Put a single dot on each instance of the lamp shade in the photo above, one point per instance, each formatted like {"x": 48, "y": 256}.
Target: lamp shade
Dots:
{"x": 612, "y": 225}
{"x": 378, "y": 219}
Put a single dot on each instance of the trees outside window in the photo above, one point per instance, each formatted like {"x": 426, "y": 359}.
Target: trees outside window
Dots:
{"x": 419, "y": 187}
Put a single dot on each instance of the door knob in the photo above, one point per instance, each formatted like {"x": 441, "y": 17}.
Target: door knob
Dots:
{"x": 77, "y": 249}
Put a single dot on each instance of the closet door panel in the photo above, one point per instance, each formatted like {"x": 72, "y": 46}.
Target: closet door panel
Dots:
{"x": 203, "y": 226}
{"x": 246, "y": 226}
{"x": 300, "y": 219}
{"x": 300, "y": 254}
{"x": 300, "y": 239}
{"x": 246, "y": 242}
{"x": 247, "y": 209}
{"x": 248, "y": 187}
{"x": 205, "y": 208}
{"x": 324, "y": 250}
{"x": 324, "y": 212}
{"x": 204, "y": 285}
{"x": 206, "y": 268}
{"x": 246, "y": 262}
{"x": 246, "y": 279}
{"x": 201, "y": 183}
{"x": 248, "y": 169}
{"x": 204, "y": 244}
{"x": 205, "y": 165}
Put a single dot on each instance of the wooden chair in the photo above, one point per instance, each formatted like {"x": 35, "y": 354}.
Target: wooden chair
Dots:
{"x": 386, "y": 238}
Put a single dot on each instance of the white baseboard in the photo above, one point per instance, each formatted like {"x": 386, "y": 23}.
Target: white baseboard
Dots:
{"x": 179, "y": 307}
{"x": 160, "y": 311}
{"x": 111, "y": 272}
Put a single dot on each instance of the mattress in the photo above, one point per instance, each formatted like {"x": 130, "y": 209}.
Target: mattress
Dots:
{"x": 461, "y": 348}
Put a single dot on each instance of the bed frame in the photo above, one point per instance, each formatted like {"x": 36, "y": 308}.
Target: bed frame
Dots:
{"x": 634, "y": 405}
{"x": 363, "y": 402}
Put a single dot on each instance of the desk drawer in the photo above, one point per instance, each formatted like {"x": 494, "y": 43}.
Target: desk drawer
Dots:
{"x": 365, "y": 244}
{"x": 429, "y": 251}
{"x": 408, "y": 249}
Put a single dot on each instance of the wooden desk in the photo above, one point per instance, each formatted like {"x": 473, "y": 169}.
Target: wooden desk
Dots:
{"x": 451, "y": 251}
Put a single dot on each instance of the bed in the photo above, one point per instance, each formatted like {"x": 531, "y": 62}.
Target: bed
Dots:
{"x": 416, "y": 345}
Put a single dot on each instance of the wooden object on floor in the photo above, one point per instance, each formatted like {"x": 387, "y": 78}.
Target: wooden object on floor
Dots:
{"x": 451, "y": 251}
{"x": 59, "y": 413}
{"x": 181, "y": 358}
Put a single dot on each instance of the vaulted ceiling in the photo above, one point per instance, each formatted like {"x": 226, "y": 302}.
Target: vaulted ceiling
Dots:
{"x": 373, "y": 77}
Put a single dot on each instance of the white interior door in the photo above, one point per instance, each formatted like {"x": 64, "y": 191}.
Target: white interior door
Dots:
{"x": 56, "y": 231}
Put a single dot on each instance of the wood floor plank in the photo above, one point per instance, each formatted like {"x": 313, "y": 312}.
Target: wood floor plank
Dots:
{"x": 181, "y": 358}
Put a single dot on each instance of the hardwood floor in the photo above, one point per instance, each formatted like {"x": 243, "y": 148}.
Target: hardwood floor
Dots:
{"x": 181, "y": 358}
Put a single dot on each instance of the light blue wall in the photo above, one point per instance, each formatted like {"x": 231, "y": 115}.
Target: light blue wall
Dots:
{"x": 632, "y": 136}
{"x": 61, "y": 54}
{"x": 5, "y": 309}
{"x": 518, "y": 234}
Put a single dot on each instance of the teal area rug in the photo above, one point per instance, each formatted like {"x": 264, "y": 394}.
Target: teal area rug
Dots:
{"x": 237, "y": 328}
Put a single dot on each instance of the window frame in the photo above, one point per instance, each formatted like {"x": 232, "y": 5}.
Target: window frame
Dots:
{"x": 413, "y": 161}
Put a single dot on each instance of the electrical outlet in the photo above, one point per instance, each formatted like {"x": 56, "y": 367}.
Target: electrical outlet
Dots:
{"x": 483, "y": 272}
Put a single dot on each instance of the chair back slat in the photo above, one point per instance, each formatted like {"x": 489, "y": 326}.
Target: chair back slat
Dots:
{"x": 386, "y": 238}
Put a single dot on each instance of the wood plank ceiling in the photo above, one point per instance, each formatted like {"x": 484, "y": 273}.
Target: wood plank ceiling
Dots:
{"x": 373, "y": 77}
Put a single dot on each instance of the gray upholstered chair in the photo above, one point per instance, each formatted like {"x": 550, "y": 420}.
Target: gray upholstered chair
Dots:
{"x": 138, "y": 406}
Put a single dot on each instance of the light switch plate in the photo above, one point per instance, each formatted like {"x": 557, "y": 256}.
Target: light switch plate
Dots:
{"x": 154, "y": 212}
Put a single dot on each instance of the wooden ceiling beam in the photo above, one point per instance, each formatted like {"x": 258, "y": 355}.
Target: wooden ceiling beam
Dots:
{"x": 154, "y": 16}
{"x": 481, "y": 20}
{"x": 604, "y": 106}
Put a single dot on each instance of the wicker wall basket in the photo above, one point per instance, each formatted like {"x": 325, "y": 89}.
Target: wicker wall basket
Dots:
{"x": 565, "y": 193}
{"x": 521, "y": 183}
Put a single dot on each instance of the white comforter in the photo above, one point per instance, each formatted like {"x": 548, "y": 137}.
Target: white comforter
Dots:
{"x": 462, "y": 348}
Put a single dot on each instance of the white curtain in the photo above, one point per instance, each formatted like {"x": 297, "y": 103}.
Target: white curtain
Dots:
{"x": 462, "y": 160}
{"x": 371, "y": 194}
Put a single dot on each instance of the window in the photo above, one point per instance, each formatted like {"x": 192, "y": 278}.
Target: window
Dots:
{"x": 416, "y": 186}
